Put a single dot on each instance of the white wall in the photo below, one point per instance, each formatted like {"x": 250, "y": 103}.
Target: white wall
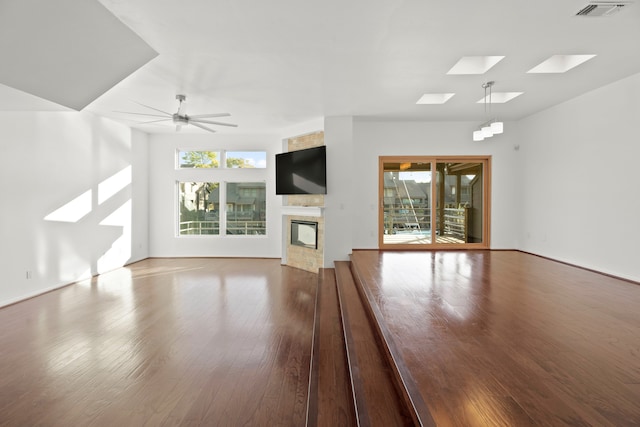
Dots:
{"x": 83, "y": 194}
{"x": 339, "y": 202}
{"x": 371, "y": 139}
{"x": 580, "y": 195}
{"x": 74, "y": 199}
{"x": 163, "y": 178}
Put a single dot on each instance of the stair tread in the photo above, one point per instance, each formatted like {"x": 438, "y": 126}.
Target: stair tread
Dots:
{"x": 376, "y": 399}
{"x": 406, "y": 385}
{"x": 330, "y": 401}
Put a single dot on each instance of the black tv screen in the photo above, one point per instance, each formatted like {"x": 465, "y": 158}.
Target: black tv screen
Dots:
{"x": 302, "y": 171}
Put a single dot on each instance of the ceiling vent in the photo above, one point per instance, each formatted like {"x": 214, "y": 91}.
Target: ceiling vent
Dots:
{"x": 602, "y": 8}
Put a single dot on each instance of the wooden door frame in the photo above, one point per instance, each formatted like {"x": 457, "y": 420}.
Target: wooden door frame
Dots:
{"x": 434, "y": 160}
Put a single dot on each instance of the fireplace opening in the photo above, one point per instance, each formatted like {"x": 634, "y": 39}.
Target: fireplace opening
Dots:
{"x": 304, "y": 233}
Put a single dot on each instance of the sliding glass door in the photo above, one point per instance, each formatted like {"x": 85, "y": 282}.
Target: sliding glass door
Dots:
{"x": 406, "y": 199}
{"x": 434, "y": 202}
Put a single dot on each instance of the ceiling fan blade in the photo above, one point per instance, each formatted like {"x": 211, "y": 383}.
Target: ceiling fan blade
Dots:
{"x": 139, "y": 114}
{"x": 202, "y": 126}
{"x": 153, "y": 121}
{"x": 155, "y": 109}
{"x": 211, "y": 122}
{"x": 205, "y": 116}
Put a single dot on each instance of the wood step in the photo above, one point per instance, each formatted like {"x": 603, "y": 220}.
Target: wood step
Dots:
{"x": 330, "y": 399}
{"x": 403, "y": 380}
{"x": 376, "y": 399}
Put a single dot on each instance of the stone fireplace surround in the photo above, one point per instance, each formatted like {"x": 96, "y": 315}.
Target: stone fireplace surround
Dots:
{"x": 303, "y": 208}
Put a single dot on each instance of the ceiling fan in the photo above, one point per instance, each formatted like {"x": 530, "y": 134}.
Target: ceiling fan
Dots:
{"x": 181, "y": 118}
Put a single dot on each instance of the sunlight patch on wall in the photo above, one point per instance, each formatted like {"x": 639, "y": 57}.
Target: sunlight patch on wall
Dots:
{"x": 120, "y": 250}
{"x": 110, "y": 186}
{"x": 73, "y": 211}
{"x": 119, "y": 217}
{"x": 79, "y": 207}
{"x": 116, "y": 255}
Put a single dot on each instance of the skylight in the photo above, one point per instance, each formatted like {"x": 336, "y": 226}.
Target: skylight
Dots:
{"x": 560, "y": 63}
{"x": 474, "y": 64}
{"x": 499, "y": 97}
{"x": 434, "y": 98}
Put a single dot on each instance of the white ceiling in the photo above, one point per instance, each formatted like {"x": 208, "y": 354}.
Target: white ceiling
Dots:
{"x": 274, "y": 64}
{"x": 66, "y": 51}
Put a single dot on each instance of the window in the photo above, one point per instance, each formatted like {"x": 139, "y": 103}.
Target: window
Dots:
{"x": 246, "y": 208}
{"x": 198, "y": 159}
{"x": 214, "y": 200}
{"x": 246, "y": 159}
{"x": 213, "y": 159}
{"x": 199, "y": 208}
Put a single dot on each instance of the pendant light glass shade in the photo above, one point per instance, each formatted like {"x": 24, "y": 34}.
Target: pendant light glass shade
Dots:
{"x": 492, "y": 126}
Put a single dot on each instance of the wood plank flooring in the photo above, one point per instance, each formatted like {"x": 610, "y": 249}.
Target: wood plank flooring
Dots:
{"x": 377, "y": 402}
{"x": 331, "y": 400}
{"x": 509, "y": 339}
{"x": 222, "y": 342}
{"x": 484, "y": 339}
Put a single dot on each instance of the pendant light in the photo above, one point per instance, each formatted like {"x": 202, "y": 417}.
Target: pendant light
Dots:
{"x": 492, "y": 126}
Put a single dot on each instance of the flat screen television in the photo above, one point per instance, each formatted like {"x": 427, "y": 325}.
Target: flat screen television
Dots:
{"x": 302, "y": 171}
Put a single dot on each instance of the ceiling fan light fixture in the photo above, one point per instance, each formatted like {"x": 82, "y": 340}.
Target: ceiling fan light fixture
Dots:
{"x": 179, "y": 119}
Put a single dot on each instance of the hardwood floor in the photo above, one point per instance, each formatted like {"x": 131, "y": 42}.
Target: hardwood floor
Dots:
{"x": 376, "y": 399}
{"x": 507, "y": 338}
{"x": 479, "y": 338}
{"x": 222, "y": 342}
{"x": 331, "y": 400}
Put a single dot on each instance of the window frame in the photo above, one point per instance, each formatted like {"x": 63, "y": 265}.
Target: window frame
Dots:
{"x": 222, "y": 175}
{"x": 222, "y": 159}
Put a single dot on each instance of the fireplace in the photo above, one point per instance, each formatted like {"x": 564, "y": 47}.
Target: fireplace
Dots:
{"x": 304, "y": 233}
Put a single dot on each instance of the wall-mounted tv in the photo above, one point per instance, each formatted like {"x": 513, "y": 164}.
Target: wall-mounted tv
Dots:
{"x": 302, "y": 171}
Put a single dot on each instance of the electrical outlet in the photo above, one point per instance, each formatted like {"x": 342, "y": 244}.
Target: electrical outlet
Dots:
{"x": 28, "y": 274}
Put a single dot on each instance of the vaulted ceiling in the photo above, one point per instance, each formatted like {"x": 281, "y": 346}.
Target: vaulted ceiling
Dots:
{"x": 273, "y": 64}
